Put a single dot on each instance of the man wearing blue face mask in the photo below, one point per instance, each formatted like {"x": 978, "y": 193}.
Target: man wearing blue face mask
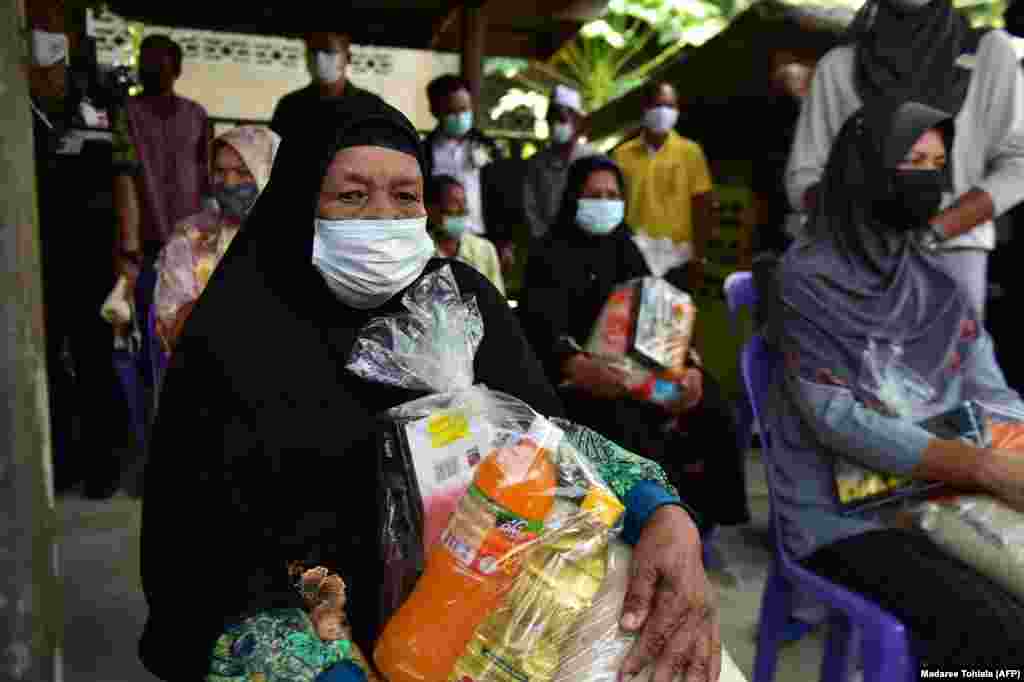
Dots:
{"x": 456, "y": 147}
{"x": 547, "y": 170}
{"x": 447, "y": 220}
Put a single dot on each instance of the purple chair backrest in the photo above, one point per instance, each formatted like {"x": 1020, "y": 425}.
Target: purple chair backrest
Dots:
{"x": 739, "y": 292}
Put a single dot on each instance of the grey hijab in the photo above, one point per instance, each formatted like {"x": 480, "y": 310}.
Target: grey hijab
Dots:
{"x": 855, "y": 278}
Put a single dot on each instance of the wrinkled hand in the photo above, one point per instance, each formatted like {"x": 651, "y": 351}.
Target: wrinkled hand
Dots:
{"x": 596, "y": 377}
{"x": 1002, "y": 475}
{"x": 670, "y": 598}
{"x": 693, "y": 392}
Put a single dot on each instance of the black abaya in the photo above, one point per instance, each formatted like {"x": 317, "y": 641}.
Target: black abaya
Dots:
{"x": 569, "y": 277}
{"x": 264, "y": 449}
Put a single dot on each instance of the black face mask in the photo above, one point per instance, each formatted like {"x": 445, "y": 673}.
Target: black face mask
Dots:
{"x": 914, "y": 199}
{"x": 1014, "y": 18}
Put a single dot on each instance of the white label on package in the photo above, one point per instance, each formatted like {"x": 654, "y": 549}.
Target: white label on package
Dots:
{"x": 446, "y": 449}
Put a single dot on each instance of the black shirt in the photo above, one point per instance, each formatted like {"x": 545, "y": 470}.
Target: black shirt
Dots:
{"x": 296, "y": 109}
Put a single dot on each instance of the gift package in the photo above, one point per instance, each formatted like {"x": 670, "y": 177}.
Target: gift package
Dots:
{"x": 645, "y": 329}
{"x": 978, "y": 529}
{"x": 497, "y": 528}
{"x": 898, "y": 392}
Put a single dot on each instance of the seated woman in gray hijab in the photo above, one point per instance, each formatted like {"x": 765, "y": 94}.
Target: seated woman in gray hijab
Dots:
{"x": 862, "y": 280}
{"x": 264, "y": 453}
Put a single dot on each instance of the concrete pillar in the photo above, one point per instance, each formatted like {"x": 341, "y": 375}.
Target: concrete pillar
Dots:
{"x": 30, "y": 619}
{"x": 474, "y": 49}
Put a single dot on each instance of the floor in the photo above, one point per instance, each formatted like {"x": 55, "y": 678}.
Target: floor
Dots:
{"x": 105, "y": 610}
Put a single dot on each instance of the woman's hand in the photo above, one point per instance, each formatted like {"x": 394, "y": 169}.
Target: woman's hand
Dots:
{"x": 596, "y": 377}
{"x": 1001, "y": 473}
{"x": 692, "y": 384}
{"x": 671, "y": 603}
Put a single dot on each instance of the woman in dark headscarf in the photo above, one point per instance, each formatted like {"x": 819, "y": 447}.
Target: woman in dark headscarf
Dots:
{"x": 926, "y": 51}
{"x": 586, "y": 254}
{"x": 861, "y": 280}
{"x": 264, "y": 456}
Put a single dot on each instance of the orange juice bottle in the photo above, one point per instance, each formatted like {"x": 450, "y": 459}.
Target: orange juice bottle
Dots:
{"x": 465, "y": 577}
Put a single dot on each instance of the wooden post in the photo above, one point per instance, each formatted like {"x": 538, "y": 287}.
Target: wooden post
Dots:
{"x": 474, "y": 41}
{"x": 30, "y": 620}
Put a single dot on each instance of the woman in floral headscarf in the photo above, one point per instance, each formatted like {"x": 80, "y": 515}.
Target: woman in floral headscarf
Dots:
{"x": 242, "y": 159}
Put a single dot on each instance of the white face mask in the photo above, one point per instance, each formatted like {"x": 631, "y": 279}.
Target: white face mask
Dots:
{"x": 367, "y": 262}
{"x": 328, "y": 66}
{"x": 661, "y": 119}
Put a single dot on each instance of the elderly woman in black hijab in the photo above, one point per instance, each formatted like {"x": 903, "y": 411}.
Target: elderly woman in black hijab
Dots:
{"x": 861, "y": 280}
{"x": 264, "y": 449}
{"x": 588, "y": 252}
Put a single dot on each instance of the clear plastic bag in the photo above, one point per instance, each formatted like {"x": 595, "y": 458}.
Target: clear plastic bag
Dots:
{"x": 645, "y": 330}
{"x": 897, "y": 391}
{"x": 662, "y": 254}
{"x": 595, "y": 648}
{"x": 978, "y": 529}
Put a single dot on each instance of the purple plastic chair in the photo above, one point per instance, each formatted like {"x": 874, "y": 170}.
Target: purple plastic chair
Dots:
{"x": 884, "y": 645}
{"x": 739, "y": 293}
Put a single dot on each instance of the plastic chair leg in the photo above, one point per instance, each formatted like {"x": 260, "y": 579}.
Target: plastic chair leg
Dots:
{"x": 840, "y": 649}
{"x": 886, "y": 658}
{"x": 776, "y": 605}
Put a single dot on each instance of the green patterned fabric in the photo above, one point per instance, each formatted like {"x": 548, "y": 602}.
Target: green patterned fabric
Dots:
{"x": 620, "y": 468}
{"x": 274, "y": 646}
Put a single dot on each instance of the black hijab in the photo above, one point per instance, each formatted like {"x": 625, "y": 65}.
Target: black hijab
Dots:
{"x": 913, "y": 53}
{"x": 855, "y": 277}
{"x": 265, "y": 447}
{"x": 571, "y": 273}
{"x": 577, "y": 175}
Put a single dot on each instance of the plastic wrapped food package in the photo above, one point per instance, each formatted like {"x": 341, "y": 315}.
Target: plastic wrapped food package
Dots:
{"x": 645, "y": 329}
{"x": 530, "y": 490}
{"x": 596, "y": 647}
{"x": 897, "y": 391}
{"x": 978, "y": 529}
{"x": 514, "y": 522}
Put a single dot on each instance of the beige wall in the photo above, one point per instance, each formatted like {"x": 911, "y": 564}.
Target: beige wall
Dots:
{"x": 233, "y": 90}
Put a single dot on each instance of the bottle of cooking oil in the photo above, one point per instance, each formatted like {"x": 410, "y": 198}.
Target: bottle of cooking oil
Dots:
{"x": 521, "y": 640}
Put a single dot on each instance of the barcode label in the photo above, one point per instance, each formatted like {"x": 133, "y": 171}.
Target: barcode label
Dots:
{"x": 447, "y": 468}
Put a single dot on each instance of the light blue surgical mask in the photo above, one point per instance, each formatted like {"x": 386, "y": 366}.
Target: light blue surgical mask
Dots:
{"x": 455, "y": 225}
{"x": 600, "y": 216}
{"x": 561, "y": 133}
{"x": 457, "y": 125}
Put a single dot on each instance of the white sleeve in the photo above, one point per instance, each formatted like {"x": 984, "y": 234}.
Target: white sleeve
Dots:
{"x": 1002, "y": 113}
{"x": 821, "y": 117}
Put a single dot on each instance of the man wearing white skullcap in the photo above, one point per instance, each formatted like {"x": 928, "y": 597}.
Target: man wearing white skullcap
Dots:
{"x": 546, "y": 170}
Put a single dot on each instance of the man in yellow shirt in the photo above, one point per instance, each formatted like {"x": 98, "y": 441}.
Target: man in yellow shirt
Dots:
{"x": 448, "y": 220}
{"x": 667, "y": 180}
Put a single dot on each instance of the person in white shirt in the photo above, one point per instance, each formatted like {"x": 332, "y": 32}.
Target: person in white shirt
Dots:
{"x": 927, "y": 50}
{"x": 456, "y": 147}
